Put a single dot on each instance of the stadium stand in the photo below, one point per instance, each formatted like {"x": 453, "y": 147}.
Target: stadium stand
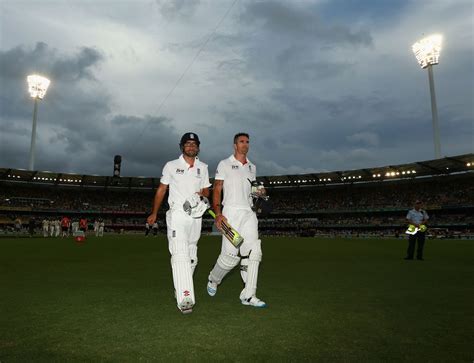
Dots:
{"x": 365, "y": 202}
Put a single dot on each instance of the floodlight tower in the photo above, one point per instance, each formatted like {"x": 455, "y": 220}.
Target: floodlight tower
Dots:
{"x": 37, "y": 87}
{"x": 427, "y": 52}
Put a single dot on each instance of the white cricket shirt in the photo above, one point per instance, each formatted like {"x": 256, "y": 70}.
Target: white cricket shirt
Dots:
{"x": 237, "y": 178}
{"x": 184, "y": 180}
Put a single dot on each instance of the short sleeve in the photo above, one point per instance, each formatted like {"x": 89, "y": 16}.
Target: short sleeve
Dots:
{"x": 166, "y": 175}
{"x": 205, "y": 180}
{"x": 255, "y": 172}
{"x": 220, "y": 171}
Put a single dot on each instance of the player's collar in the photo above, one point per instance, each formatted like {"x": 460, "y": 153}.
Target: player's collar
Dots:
{"x": 233, "y": 159}
{"x": 184, "y": 162}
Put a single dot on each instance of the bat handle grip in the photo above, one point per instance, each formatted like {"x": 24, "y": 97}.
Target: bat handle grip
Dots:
{"x": 211, "y": 212}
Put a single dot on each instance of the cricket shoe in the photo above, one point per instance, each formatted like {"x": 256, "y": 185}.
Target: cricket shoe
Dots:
{"x": 211, "y": 288}
{"x": 252, "y": 301}
{"x": 186, "y": 305}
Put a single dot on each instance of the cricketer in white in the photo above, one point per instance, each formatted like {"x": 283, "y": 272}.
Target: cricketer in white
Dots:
{"x": 234, "y": 176}
{"x": 187, "y": 178}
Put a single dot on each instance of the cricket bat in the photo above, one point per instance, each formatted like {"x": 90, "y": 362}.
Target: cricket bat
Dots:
{"x": 230, "y": 233}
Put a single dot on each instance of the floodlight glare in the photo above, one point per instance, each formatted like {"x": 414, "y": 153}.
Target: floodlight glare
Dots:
{"x": 427, "y": 50}
{"x": 37, "y": 86}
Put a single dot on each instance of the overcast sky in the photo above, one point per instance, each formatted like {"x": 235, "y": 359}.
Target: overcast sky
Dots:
{"x": 319, "y": 85}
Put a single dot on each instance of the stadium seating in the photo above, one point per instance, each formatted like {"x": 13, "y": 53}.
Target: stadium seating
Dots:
{"x": 348, "y": 208}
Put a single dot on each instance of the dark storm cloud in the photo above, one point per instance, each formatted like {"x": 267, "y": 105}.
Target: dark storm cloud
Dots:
{"x": 69, "y": 118}
{"x": 70, "y": 113}
{"x": 177, "y": 8}
{"x": 145, "y": 144}
{"x": 283, "y": 41}
{"x": 288, "y": 21}
{"x": 298, "y": 49}
{"x": 319, "y": 85}
{"x": 76, "y": 131}
{"x": 66, "y": 72}
{"x": 17, "y": 62}
{"x": 374, "y": 11}
{"x": 275, "y": 47}
{"x": 323, "y": 135}
{"x": 78, "y": 67}
{"x": 295, "y": 65}
{"x": 143, "y": 141}
{"x": 302, "y": 49}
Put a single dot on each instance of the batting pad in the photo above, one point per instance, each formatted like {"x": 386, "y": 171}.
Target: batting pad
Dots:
{"x": 194, "y": 258}
{"x": 252, "y": 273}
{"x": 182, "y": 277}
{"x": 225, "y": 263}
{"x": 244, "y": 265}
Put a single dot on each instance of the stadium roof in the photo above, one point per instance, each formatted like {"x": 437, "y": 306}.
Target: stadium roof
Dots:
{"x": 444, "y": 166}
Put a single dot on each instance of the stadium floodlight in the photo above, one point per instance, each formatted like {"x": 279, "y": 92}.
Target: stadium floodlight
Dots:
{"x": 37, "y": 87}
{"x": 427, "y": 51}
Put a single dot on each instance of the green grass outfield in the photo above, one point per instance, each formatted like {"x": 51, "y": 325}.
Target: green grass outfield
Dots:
{"x": 329, "y": 300}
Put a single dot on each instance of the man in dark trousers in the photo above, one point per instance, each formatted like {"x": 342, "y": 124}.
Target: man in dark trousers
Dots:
{"x": 417, "y": 219}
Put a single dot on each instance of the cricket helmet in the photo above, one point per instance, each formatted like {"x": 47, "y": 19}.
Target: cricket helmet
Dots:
{"x": 189, "y": 136}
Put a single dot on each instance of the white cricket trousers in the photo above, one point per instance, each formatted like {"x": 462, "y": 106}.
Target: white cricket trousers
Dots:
{"x": 245, "y": 222}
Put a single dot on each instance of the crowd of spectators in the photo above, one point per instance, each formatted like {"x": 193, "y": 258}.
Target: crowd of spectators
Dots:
{"x": 434, "y": 193}
{"x": 296, "y": 210}
{"x": 75, "y": 199}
